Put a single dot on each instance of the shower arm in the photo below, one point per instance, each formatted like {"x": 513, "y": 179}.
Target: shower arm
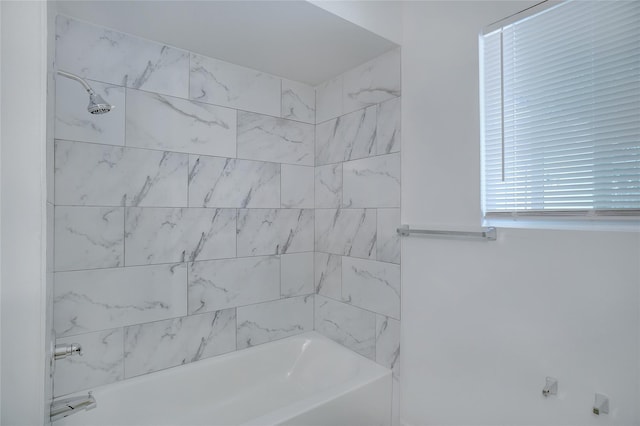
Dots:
{"x": 78, "y": 79}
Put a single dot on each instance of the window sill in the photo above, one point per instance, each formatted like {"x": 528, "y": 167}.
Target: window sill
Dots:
{"x": 569, "y": 224}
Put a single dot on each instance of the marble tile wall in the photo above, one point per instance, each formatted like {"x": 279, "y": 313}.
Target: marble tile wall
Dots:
{"x": 357, "y": 201}
{"x": 184, "y": 219}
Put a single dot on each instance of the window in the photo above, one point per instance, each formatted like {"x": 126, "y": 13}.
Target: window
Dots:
{"x": 561, "y": 112}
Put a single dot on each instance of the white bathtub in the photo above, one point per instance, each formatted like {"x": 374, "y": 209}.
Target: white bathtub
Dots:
{"x": 302, "y": 380}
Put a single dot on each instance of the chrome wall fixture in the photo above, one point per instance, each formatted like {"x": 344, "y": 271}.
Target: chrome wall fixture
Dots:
{"x": 489, "y": 234}
{"x": 97, "y": 105}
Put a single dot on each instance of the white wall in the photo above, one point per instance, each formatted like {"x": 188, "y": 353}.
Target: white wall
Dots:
{"x": 23, "y": 200}
{"x": 484, "y": 323}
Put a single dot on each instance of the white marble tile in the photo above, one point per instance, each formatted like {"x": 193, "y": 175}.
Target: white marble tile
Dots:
{"x": 88, "y": 237}
{"x": 328, "y": 187}
{"x": 220, "y": 284}
{"x": 228, "y": 182}
{"x": 350, "y": 326}
{"x": 329, "y": 99}
{"x": 388, "y": 238}
{"x": 372, "y": 182}
{"x": 388, "y": 134}
{"x": 163, "y": 235}
{"x": 395, "y": 402}
{"x": 274, "y": 231}
{"x": 298, "y": 102}
{"x": 73, "y": 121}
{"x": 265, "y": 138}
{"x": 349, "y": 232}
{"x": 270, "y": 321}
{"x": 347, "y": 137}
{"x": 328, "y": 275}
{"x": 372, "y": 285}
{"x": 90, "y": 174}
{"x": 226, "y": 84}
{"x": 163, "y": 122}
{"x": 297, "y": 186}
{"x": 101, "y": 362}
{"x": 296, "y": 276}
{"x": 100, "y": 299}
{"x": 105, "y": 55}
{"x": 388, "y": 343}
{"x": 163, "y": 344}
{"x": 372, "y": 82}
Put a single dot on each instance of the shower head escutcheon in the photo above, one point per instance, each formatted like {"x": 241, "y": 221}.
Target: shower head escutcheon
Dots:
{"x": 97, "y": 105}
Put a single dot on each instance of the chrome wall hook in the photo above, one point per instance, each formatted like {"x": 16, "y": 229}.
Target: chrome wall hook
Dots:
{"x": 550, "y": 387}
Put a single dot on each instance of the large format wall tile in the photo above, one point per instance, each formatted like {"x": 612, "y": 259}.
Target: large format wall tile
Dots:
{"x": 89, "y": 174}
{"x": 164, "y": 344}
{"x": 349, "y": 232}
{"x": 298, "y": 102}
{"x": 297, "y": 186}
{"x": 372, "y": 285}
{"x": 162, "y": 122}
{"x": 347, "y": 137}
{"x": 163, "y": 235}
{"x": 220, "y": 284}
{"x": 274, "y": 320}
{"x": 265, "y": 138}
{"x": 353, "y": 327}
{"x": 274, "y": 231}
{"x": 372, "y": 182}
{"x": 372, "y": 82}
{"x": 296, "y": 274}
{"x": 73, "y": 122}
{"x": 328, "y": 275}
{"x": 100, "y": 299}
{"x": 226, "y": 84}
{"x": 328, "y": 186}
{"x": 105, "y": 55}
{"x": 88, "y": 237}
{"x": 228, "y": 182}
{"x": 388, "y": 343}
{"x": 388, "y": 134}
{"x": 329, "y": 100}
{"x": 388, "y": 238}
{"x": 100, "y": 363}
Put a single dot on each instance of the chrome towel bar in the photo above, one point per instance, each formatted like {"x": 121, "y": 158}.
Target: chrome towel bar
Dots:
{"x": 489, "y": 234}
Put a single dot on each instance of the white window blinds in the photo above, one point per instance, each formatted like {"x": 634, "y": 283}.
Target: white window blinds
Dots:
{"x": 561, "y": 112}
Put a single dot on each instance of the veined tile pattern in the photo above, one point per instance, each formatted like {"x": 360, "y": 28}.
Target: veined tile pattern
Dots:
{"x": 163, "y": 235}
{"x": 265, "y": 138}
{"x": 101, "y": 54}
{"x": 388, "y": 238}
{"x": 328, "y": 275}
{"x": 274, "y": 231}
{"x": 220, "y": 284}
{"x": 372, "y": 285}
{"x": 162, "y": 122}
{"x": 228, "y": 182}
{"x": 296, "y": 276}
{"x": 88, "y": 237}
{"x": 388, "y": 134}
{"x": 100, "y": 364}
{"x": 297, "y": 186}
{"x": 353, "y": 327}
{"x": 347, "y": 137}
{"x": 388, "y": 343}
{"x": 329, "y": 99}
{"x": 269, "y": 321}
{"x": 230, "y": 85}
{"x": 372, "y": 82}
{"x": 74, "y": 123}
{"x": 163, "y": 344}
{"x": 298, "y": 102}
{"x": 101, "y": 299}
{"x": 348, "y": 232}
{"x": 103, "y": 175}
{"x": 328, "y": 187}
{"x": 372, "y": 182}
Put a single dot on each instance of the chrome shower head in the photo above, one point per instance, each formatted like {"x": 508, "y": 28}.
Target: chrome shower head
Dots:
{"x": 97, "y": 105}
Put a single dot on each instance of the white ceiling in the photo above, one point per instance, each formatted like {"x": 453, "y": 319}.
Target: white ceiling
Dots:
{"x": 291, "y": 39}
